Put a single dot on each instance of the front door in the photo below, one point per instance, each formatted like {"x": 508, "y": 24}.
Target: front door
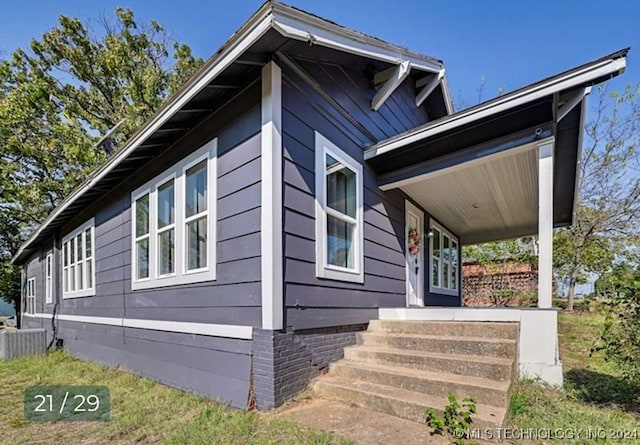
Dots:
{"x": 414, "y": 243}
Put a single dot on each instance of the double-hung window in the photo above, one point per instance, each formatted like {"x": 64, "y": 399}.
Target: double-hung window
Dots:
{"x": 31, "y": 296}
{"x": 444, "y": 254}
{"x": 339, "y": 214}
{"x": 48, "y": 279}
{"x": 78, "y": 262}
{"x": 174, "y": 222}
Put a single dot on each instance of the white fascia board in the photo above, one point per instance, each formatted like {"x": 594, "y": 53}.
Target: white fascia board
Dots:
{"x": 526, "y": 95}
{"x": 400, "y": 72}
{"x": 244, "y": 39}
{"x": 320, "y": 32}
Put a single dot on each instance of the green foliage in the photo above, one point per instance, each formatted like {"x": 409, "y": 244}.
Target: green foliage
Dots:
{"x": 457, "y": 418}
{"x": 56, "y": 99}
{"x": 608, "y": 207}
{"x": 621, "y": 334}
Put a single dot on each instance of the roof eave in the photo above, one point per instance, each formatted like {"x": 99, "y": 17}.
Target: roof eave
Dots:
{"x": 288, "y": 21}
{"x": 568, "y": 80}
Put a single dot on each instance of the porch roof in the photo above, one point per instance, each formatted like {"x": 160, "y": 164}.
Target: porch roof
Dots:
{"x": 476, "y": 171}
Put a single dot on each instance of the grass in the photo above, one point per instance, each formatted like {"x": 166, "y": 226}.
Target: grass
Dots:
{"x": 594, "y": 396}
{"x": 142, "y": 411}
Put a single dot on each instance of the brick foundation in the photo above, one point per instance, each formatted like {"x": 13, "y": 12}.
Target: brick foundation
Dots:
{"x": 284, "y": 362}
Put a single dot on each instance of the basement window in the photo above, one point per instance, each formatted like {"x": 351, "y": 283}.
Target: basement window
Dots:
{"x": 173, "y": 222}
{"x": 444, "y": 256}
{"x": 339, "y": 214}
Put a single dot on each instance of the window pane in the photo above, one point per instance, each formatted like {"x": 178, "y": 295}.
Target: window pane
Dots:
{"x": 340, "y": 246}
{"x": 445, "y": 275}
{"x": 166, "y": 205}
{"x": 445, "y": 248}
{"x": 454, "y": 265}
{"x": 143, "y": 258}
{"x": 454, "y": 278}
{"x": 436, "y": 243}
{"x": 341, "y": 187}
{"x": 435, "y": 273}
{"x": 80, "y": 276}
{"x": 48, "y": 266}
{"x": 89, "y": 275}
{"x": 65, "y": 280}
{"x": 72, "y": 251}
{"x": 65, "y": 256}
{"x": 142, "y": 216}
{"x": 197, "y": 244}
{"x": 72, "y": 278}
{"x": 166, "y": 252}
{"x": 87, "y": 243}
{"x": 79, "y": 247}
{"x": 196, "y": 189}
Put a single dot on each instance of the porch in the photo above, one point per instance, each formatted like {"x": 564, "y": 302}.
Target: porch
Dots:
{"x": 504, "y": 169}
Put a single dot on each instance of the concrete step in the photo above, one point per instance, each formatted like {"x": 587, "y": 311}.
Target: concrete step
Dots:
{"x": 488, "y": 347}
{"x": 470, "y": 365}
{"x": 447, "y": 328}
{"x": 485, "y": 391}
{"x": 398, "y": 402}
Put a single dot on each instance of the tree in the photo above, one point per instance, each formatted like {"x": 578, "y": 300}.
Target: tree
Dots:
{"x": 608, "y": 207}
{"x": 75, "y": 83}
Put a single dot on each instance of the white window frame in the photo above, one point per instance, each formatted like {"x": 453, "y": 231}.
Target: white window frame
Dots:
{"x": 30, "y": 300}
{"x": 441, "y": 289}
{"x": 325, "y": 147}
{"x": 73, "y": 235}
{"x": 177, "y": 172}
{"x": 48, "y": 278}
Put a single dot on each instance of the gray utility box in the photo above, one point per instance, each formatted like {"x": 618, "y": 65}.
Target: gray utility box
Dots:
{"x": 16, "y": 343}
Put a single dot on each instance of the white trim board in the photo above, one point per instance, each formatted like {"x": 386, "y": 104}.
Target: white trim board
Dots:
{"x": 208, "y": 329}
{"x": 271, "y": 258}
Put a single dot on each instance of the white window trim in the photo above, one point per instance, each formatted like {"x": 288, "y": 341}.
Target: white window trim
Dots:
{"x": 323, "y": 270}
{"x": 178, "y": 171}
{"x": 48, "y": 278}
{"x": 73, "y": 234}
{"x": 439, "y": 289}
{"x": 31, "y": 297}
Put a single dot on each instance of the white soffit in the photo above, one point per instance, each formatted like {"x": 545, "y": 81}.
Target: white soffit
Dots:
{"x": 498, "y": 194}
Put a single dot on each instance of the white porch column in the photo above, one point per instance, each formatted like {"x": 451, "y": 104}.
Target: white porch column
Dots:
{"x": 545, "y": 222}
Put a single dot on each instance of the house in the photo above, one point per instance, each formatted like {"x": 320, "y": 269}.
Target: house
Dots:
{"x": 307, "y": 180}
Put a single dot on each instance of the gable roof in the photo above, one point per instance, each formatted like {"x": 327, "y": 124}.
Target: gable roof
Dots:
{"x": 239, "y": 57}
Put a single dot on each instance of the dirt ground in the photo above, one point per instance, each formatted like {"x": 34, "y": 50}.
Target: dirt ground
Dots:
{"x": 360, "y": 425}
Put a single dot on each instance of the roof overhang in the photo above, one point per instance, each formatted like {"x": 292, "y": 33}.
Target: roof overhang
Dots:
{"x": 476, "y": 170}
{"x": 257, "y": 37}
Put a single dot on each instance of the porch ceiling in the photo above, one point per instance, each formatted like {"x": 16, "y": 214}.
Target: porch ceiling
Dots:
{"x": 495, "y": 197}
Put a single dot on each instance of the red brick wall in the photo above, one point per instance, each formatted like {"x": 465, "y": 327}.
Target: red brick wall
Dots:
{"x": 505, "y": 284}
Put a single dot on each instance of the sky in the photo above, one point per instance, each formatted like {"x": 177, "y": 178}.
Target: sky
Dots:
{"x": 508, "y": 43}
